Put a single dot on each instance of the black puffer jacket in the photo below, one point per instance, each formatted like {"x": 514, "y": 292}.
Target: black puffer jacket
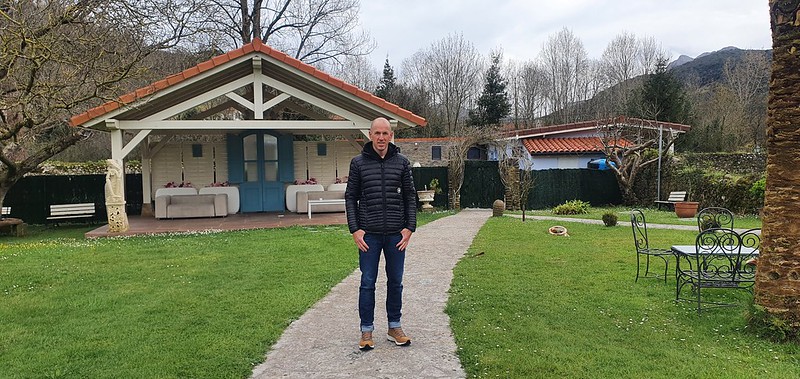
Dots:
{"x": 380, "y": 195}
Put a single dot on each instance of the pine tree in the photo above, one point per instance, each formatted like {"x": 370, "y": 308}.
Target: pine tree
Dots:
{"x": 663, "y": 97}
{"x": 493, "y": 105}
{"x": 386, "y": 86}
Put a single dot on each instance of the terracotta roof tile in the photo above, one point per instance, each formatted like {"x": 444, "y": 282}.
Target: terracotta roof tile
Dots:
{"x": 235, "y": 54}
{"x": 172, "y": 79}
{"x": 255, "y": 46}
{"x": 564, "y": 145}
{"x": 219, "y": 59}
{"x": 80, "y": 119}
{"x": 192, "y": 71}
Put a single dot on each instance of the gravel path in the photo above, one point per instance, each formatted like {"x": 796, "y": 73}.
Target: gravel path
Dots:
{"x": 323, "y": 343}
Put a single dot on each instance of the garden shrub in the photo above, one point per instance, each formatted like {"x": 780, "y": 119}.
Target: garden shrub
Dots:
{"x": 758, "y": 188}
{"x": 718, "y": 189}
{"x": 610, "y": 219}
{"x": 572, "y": 207}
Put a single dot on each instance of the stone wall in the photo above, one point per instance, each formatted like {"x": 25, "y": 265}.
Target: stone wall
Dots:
{"x": 418, "y": 150}
{"x": 733, "y": 163}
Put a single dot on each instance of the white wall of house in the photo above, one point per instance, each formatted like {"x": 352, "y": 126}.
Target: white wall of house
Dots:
{"x": 308, "y": 163}
{"x": 547, "y": 162}
{"x": 176, "y": 163}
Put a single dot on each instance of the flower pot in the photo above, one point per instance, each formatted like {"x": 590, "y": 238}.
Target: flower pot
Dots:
{"x": 686, "y": 209}
{"x": 426, "y": 197}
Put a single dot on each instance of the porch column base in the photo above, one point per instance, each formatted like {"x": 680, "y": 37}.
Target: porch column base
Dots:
{"x": 147, "y": 210}
{"x": 117, "y": 218}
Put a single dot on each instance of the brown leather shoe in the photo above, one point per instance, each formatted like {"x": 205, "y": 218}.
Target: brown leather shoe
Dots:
{"x": 397, "y": 336}
{"x": 366, "y": 341}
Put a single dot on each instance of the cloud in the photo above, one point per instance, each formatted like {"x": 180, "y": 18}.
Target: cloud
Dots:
{"x": 520, "y": 27}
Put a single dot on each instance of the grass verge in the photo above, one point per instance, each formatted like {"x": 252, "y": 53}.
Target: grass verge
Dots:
{"x": 193, "y": 305}
{"x": 558, "y": 307}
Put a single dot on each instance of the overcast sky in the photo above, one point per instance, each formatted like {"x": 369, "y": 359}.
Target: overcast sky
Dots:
{"x": 520, "y": 27}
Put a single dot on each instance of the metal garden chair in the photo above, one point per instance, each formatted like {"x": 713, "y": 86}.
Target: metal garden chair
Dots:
{"x": 714, "y": 217}
{"x": 643, "y": 249}
{"x": 721, "y": 259}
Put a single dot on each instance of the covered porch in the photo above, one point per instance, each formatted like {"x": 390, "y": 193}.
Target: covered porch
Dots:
{"x": 253, "y": 118}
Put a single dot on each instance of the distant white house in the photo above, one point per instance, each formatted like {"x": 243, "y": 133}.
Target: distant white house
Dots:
{"x": 573, "y": 145}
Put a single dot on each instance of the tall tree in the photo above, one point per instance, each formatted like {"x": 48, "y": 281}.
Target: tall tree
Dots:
{"x": 748, "y": 80}
{"x": 566, "y": 65}
{"x": 663, "y": 97}
{"x": 449, "y": 73}
{"x": 312, "y": 31}
{"x": 632, "y": 145}
{"x": 59, "y": 57}
{"x": 529, "y": 94}
{"x": 386, "y": 85}
{"x": 356, "y": 70}
{"x": 493, "y": 104}
{"x": 778, "y": 273}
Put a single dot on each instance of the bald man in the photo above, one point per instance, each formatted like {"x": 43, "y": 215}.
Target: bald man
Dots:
{"x": 381, "y": 214}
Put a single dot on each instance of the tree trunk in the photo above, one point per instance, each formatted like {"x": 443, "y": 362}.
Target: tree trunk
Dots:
{"x": 777, "y": 286}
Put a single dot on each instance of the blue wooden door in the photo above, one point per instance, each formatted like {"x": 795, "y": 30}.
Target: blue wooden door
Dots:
{"x": 260, "y": 162}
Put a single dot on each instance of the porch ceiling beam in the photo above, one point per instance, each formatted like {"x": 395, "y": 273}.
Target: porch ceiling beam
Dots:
{"x": 241, "y": 125}
{"x": 235, "y": 97}
{"x": 294, "y": 92}
{"x": 344, "y": 93}
{"x": 160, "y": 145}
{"x": 214, "y": 110}
{"x": 275, "y": 101}
{"x": 200, "y": 99}
{"x": 354, "y": 142}
{"x": 135, "y": 141}
{"x": 305, "y": 111}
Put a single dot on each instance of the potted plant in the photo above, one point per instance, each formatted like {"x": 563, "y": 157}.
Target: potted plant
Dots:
{"x": 426, "y": 196}
{"x": 686, "y": 209}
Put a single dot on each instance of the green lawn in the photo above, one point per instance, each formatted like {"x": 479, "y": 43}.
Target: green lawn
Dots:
{"x": 174, "y": 306}
{"x": 525, "y": 304}
{"x": 654, "y": 216}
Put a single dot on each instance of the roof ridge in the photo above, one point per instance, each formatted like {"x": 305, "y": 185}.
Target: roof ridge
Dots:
{"x": 256, "y": 45}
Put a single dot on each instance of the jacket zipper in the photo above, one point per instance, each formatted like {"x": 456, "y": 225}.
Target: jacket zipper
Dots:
{"x": 383, "y": 191}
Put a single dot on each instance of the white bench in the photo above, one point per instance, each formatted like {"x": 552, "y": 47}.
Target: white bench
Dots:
{"x": 312, "y": 202}
{"x": 674, "y": 197}
{"x": 70, "y": 211}
{"x": 5, "y": 211}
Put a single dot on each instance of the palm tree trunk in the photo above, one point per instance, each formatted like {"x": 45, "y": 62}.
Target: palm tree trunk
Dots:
{"x": 777, "y": 287}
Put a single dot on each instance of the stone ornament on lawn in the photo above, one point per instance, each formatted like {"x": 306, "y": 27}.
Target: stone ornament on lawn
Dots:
{"x": 498, "y": 207}
{"x": 115, "y": 200}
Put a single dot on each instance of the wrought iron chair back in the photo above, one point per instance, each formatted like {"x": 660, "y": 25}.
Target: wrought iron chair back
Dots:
{"x": 748, "y": 259}
{"x": 714, "y": 217}
{"x": 642, "y": 245}
{"x": 718, "y": 262}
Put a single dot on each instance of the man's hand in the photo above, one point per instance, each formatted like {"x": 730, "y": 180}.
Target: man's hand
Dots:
{"x": 358, "y": 237}
{"x": 406, "y": 237}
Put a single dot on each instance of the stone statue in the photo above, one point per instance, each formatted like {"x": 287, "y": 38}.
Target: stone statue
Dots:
{"x": 115, "y": 198}
{"x": 113, "y": 182}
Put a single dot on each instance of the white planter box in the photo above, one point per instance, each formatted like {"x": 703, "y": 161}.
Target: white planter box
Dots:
{"x": 292, "y": 190}
{"x": 176, "y": 191}
{"x": 233, "y": 196}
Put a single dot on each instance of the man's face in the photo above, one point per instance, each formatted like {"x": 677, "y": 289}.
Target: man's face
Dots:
{"x": 380, "y": 134}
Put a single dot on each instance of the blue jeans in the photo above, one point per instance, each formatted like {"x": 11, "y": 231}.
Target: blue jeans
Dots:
{"x": 368, "y": 263}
